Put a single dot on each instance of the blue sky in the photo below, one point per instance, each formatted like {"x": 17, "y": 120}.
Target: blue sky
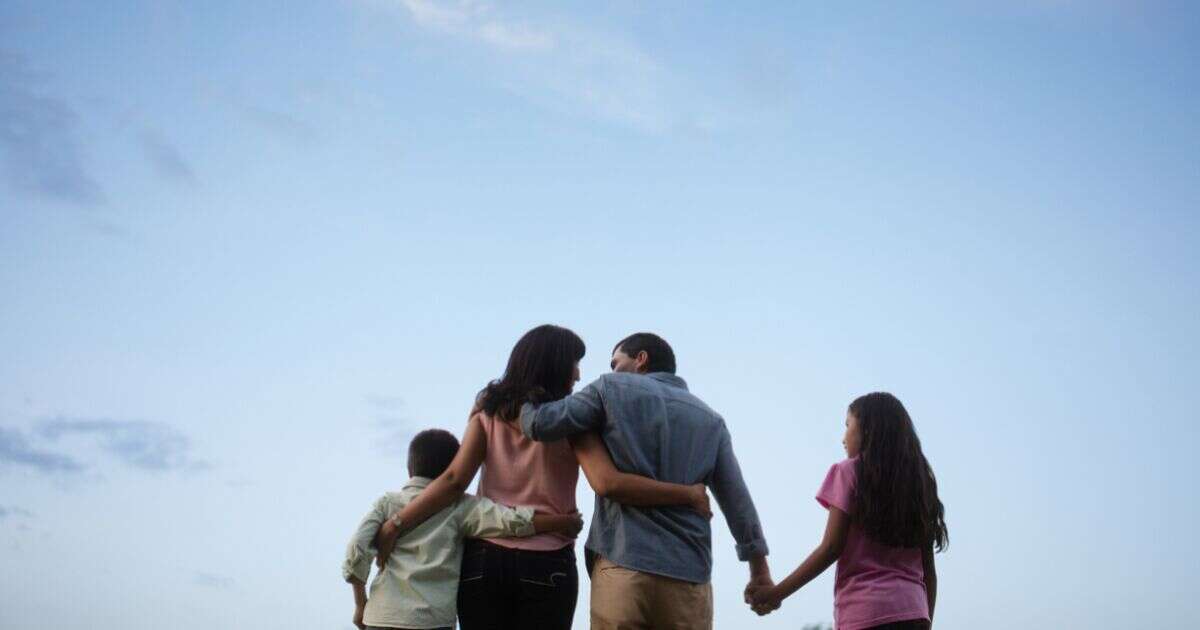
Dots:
{"x": 247, "y": 250}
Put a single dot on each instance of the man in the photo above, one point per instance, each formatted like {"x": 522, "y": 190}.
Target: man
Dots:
{"x": 653, "y": 565}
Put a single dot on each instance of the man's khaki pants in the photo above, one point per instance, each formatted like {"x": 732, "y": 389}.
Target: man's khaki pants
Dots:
{"x": 624, "y": 599}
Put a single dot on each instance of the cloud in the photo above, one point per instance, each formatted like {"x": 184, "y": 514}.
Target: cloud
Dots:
{"x": 558, "y": 64}
{"x": 12, "y": 510}
{"x": 280, "y": 124}
{"x": 39, "y": 146}
{"x": 166, "y": 159}
{"x": 149, "y": 446}
{"x": 15, "y": 449}
{"x": 212, "y": 580}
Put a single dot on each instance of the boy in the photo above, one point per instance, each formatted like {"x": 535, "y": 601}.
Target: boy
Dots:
{"x": 418, "y": 586}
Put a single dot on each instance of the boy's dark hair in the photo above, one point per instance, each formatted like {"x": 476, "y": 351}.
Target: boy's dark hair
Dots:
{"x": 540, "y": 369}
{"x": 661, "y": 356}
{"x": 430, "y": 453}
{"x": 896, "y": 501}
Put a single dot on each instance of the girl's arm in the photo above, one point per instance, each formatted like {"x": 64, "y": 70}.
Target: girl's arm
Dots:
{"x": 607, "y": 481}
{"x": 440, "y": 493}
{"x": 930, "y": 580}
{"x": 827, "y": 552}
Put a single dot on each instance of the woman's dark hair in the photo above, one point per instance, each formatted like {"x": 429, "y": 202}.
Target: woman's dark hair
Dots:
{"x": 896, "y": 502}
{"x": 540, "y": 369}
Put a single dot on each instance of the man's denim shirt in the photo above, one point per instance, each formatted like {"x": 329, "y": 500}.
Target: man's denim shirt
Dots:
{"x": 654, "y": 427}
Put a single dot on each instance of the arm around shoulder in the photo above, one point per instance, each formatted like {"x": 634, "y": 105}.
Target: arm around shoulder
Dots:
{"x": 577, "y": 413}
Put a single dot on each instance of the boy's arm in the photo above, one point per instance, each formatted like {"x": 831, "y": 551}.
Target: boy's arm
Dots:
{"x": 580, "y": 412}
{"x": 361, "y": 549}
{"x": 439, "y": 494}
{"x": 567, "y": 524}
{"x": 360, "y": 602}
{"x": 608, "y": 482}
{"x": 483, "y": 518}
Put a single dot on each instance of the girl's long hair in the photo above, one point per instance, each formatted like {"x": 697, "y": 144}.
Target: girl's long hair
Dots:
{"x": 540, "y": 369}
{"x": 896, "y": 502}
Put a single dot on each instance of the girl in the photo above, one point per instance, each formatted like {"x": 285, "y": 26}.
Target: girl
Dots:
{"x": 885, "y": 521}
{"x": 517, "y": 583}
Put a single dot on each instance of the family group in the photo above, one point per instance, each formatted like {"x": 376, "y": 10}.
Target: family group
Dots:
{"x": 652, "y": 451}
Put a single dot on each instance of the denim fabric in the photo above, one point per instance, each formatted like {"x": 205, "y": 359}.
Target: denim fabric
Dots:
{"x": 514, "y": 589}
{"x": 654, "y": 427}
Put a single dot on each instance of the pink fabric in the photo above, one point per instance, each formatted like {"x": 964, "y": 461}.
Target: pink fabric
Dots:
{"x": 518, "y": 471}
{"x": 875, "y": 584}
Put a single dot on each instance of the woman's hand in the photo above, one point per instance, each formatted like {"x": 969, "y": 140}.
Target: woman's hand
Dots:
{"x": 385, "y": 541}
{"x": 700, "y": 501}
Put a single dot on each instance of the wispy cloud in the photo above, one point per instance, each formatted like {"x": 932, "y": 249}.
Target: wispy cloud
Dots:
{"x": 12, "y": 510}
{"x": 149, "y": 446}
{"x": 396, "y": 428}
{"x": 212, "y": 580}
{"x": 166, "y": 158}
{"x": 556, "y": 63}
{"x": 15, "y": 449}
{"x": 41, "y": 151}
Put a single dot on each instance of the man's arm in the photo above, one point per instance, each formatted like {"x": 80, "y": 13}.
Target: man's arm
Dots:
{"x": 577, "y": 413}
{"x": 631, "y": 489}
{"x": 440, "y": 493}
{"x": 731, "y": 493}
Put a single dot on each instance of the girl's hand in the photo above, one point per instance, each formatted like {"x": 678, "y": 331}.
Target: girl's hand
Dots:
{"x": 764, "y": 599}
{"x": 700, "y": 501}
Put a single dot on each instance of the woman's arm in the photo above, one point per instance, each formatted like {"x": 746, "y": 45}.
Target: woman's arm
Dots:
{"x": 827, "y": 552}
{"x": 440, "y": 493}
{"x": 930, "y": 580}
{"x": 607, "y": 481}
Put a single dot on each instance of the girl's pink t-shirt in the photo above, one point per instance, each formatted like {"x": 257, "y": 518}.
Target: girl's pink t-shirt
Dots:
{"x": 876, "y": 584}
{"x": 518, "y": 471}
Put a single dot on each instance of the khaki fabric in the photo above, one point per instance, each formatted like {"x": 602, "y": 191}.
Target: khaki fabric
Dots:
{"x": 624, "y": 599}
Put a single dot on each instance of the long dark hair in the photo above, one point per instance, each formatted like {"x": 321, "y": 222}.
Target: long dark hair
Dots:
{"x": 540, "y": 369}
{"x": 896, "y": 502}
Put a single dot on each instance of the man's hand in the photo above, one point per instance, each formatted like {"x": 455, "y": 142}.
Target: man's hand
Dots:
{"x": 576, "y": 524}
{"x": 385, "y": 541}
{"x": 700, "y": 501}
{"x": 358, "y": 616}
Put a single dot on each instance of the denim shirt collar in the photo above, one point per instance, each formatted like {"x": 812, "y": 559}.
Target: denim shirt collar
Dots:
{"x": 669, "y": 379}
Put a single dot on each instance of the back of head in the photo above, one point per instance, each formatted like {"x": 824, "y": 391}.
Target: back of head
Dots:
{"x": 541, "y": 368}
{"x": 430, "y": 453}
{"x": 661, "y": 358}
{"x": 896, "y": 501}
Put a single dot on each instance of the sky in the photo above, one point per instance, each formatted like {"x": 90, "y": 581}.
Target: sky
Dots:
{"x": 247, "y": 250}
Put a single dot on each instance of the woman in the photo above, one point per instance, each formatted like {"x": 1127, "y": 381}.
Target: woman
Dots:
{"x": 529, "y": 582}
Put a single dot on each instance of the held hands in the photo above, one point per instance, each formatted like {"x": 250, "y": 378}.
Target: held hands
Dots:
{"x": 700, "y": 501}
{"x": 763, "y": 598}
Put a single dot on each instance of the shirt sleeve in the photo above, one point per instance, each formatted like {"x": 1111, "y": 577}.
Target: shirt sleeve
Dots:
{"x": 483, "y": 518}
{"x": 361, "y": 549}
{"x": 580, "y": 412}
{"x": 733, "y": 496}
{"x": 838, "y": 488}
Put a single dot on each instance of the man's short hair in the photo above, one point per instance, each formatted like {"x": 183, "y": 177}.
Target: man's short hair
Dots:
{"x": 661, "y": 356}
{"x": 430, "y": 453}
